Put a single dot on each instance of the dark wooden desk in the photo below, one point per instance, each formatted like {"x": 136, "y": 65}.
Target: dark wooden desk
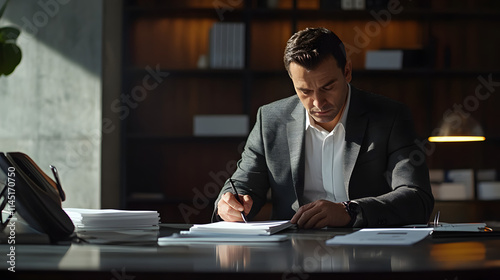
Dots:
{"x": 303, "y": 256}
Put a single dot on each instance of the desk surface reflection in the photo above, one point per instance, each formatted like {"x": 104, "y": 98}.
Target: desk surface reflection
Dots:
{"x": 304, "y": 255}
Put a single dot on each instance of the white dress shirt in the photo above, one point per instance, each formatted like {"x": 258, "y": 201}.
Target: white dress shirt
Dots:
{"x": 324, "y": 161}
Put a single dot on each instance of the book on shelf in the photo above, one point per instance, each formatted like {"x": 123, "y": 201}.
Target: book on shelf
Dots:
{"x": 455, "y": 184}
{"x": 227, "y": 45}
{"x": 220, "y": 125}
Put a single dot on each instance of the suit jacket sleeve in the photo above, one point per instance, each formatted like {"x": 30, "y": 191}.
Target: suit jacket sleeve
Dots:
{"x": 251, "y": 175}
{"x": 390, "y": 180}
{"x": 272, "y": 160}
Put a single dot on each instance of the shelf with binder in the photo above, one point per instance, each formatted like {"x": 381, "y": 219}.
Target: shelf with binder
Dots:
{"x": 170, "y": 107}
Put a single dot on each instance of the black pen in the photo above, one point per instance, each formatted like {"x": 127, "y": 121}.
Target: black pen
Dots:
{"x": 238, "y": 199}
{"x": 58, "y": 183}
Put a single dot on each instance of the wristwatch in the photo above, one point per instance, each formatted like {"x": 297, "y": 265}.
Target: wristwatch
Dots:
{"x": 352, "y": 208}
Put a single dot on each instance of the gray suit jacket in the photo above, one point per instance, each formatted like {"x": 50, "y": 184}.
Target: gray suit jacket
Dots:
{"x": 385, "y": 171}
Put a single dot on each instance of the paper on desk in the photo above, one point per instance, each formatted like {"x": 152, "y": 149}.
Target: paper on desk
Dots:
{"x": 112, "y": 219}
{"x": 251, "y": 228}
{"x": 462, "y": 227}
{"x": 229, "y": 232}
{"x": 470, "y": 227}
{"x": 384, "y": 236}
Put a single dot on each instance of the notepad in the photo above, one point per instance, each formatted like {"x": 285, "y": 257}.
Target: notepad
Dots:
{"x": 251, "y": 228}
{"x": 229, "y": 232}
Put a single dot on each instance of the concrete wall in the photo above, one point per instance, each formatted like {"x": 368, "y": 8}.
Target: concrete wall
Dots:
{"x": 50, "y": 107}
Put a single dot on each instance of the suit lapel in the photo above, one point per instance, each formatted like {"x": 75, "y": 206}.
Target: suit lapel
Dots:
{"x": 355, "y": 131}
{"x": 295, "y": 137}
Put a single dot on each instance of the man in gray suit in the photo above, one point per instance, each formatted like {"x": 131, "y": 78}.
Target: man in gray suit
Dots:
{"x": 332, "y": 155}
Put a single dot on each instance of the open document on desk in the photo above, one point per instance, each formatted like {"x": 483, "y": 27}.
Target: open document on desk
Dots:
{"x": 411, "y": 234}
{"x": 229, "y": 232}
{"x": 382, "y": 236}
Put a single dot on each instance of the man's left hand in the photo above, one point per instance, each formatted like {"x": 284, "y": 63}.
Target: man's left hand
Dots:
{"x": 320, "y": 214}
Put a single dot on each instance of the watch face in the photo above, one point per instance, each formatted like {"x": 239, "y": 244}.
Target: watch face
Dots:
{"x": 353, "y": 207}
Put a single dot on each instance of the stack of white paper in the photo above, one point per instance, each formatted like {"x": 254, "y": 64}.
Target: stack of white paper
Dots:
{"x": 111, "y": 219}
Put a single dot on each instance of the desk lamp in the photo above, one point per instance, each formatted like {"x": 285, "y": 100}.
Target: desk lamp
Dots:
{"x": 458, "y": 128}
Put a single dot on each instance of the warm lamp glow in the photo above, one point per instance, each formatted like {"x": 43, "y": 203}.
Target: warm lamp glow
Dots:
{"x": 456, "y": 138}
{"x": 458, "y": 128}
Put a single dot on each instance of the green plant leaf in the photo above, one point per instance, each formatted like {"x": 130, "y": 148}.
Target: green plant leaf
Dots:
{"x": 10, "y": 53}
{"x": 8, "y": 33}
{"x": 3, "y": 8}
{"x": 10, "y": 57}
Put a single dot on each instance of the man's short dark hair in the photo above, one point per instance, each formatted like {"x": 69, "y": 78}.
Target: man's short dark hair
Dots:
{"x": 310, "y": 46}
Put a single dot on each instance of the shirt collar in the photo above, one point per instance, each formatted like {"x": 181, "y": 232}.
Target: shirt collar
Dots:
{"x": 343, "y": 119}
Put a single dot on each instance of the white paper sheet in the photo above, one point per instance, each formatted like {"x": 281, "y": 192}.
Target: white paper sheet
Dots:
{"x": 251, "y": 228}
{"x": 384, "y": 236}
{"x": 229, "y": 232}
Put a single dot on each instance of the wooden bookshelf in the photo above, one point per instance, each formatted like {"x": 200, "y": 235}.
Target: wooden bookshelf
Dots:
{"x": 162, "y": 157}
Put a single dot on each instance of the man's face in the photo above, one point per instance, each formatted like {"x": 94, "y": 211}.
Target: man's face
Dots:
{"x": 323, "y": 90}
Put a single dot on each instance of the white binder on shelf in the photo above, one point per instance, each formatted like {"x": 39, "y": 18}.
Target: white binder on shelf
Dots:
{"x": 227, "y": 45}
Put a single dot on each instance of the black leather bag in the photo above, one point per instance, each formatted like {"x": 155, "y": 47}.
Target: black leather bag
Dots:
{"x": 28, "y": 192}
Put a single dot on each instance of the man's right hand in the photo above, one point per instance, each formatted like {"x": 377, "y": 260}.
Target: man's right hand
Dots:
{"x": 229, "y": 209}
